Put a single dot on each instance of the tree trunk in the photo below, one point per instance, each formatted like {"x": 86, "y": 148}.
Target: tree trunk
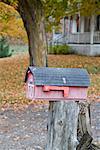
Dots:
{"x": 62, "y": 126}
{"x": 32, "y": 15}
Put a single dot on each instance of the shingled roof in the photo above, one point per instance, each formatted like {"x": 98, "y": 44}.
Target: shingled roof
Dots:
{"x": 60, "y": 76}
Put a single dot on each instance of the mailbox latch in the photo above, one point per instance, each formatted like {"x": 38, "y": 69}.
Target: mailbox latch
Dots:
{"x": 56, "y": 88}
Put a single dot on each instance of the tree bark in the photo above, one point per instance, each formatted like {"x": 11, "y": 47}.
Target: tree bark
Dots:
{"x": 62, "y": 126}
{"x": 84, "y": 129}
{"x": 85, "y": 142}
{"x": 32, "y": 15}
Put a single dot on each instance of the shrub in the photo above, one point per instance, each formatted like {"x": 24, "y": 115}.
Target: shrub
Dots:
{"x": 4, "y": 48}
{"x": 60, "y": 49}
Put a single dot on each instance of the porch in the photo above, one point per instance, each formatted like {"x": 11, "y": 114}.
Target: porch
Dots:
{"x": 85, "y": 43}
{"x": 82, "y": 43}
{"x": 83, "y": 38}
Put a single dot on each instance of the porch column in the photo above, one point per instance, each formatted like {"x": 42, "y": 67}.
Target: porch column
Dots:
{"x": 65, "y": 22}
{"x": 82, "y": 24}
{"x": 53, "y": 32}
{"x": 74, "y": 25}
{"x": 68, "y": 29}
{"x": 92, "y": 26}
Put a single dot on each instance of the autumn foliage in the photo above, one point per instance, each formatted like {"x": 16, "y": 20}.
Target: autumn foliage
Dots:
{"x": 11, "y": 24}
{"x": 12, "y": 72}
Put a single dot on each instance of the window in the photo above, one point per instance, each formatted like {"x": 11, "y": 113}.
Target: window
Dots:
{"x": 98, "y": 23}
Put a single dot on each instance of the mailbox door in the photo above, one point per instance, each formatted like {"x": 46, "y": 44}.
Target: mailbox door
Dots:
{"x": 30, "y": 87}
{"x": 77, "y": 93}
{"x": 72, "y": 93}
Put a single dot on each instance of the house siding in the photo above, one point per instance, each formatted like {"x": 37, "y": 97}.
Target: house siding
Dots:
{"x": 86, "y": 49}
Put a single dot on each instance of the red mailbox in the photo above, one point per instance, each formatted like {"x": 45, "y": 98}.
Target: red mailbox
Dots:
{"x": 56, "y": 83}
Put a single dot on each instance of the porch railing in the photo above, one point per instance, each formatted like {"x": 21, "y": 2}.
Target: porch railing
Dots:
{"x": 78, "y": 38}
{"x": 83, "y": 38}
{"x": 96, "y": 38}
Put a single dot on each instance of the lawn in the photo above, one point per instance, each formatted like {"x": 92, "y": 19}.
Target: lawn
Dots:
{"x": 12, "y": 72}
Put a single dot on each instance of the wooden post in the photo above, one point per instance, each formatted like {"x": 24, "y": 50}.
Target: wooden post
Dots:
{"x": 64, "y": 26}
{"x": 82, "y": 24}
{"x": 92, "y": 29}
{"x": 62, "y": 126}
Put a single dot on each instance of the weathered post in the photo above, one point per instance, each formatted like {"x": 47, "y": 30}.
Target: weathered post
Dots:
{"x": 62, "y": 126}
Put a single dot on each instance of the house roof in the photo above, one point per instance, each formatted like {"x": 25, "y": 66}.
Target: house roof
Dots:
{"x": 60, "y": 76}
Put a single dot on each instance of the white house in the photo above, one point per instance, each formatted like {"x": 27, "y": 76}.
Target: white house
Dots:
{"x": 83, "y": 33}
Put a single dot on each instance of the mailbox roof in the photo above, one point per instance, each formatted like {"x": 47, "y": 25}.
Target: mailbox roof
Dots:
{"x": 60, "y": 76}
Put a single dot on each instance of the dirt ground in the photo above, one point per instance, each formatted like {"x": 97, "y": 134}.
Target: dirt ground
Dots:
{"x": 24, "y": 129}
